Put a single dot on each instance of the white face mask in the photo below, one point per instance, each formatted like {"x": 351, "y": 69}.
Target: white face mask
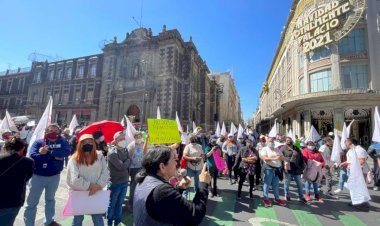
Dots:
{"x": 270, "y": 145}
{"x": 101, "y": 138}
{"x": 311, "y": 147}
{"x": 122, "y": 144}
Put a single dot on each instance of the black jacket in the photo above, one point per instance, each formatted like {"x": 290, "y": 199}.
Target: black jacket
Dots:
{"x": 15, "y": 172}
{"x": 297, "y": 167}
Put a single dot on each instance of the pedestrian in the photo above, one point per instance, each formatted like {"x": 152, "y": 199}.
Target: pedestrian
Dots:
{"x": 137, "y": 149}
{"x": 325, "y": 150}
{"x": 193, "y": 154}
{"x": 310, "y": 153}
{"x": 248, "y": 157}
{"x": 118, "y": 164}
{"x": 101, "y": 145}
{"x": 293, "y": 167}
{"x": 212, "y": 169}
{"x": 48, "y": 154}
{"x": 87, "y": 171}
{"x": 230, "y": 148}
{"x": 273, "y": 172}
{"x": 15, "y": 172}
{"x": 66, "y": 135}
{"x": 342, "y": 172}
{"x": 154, "y": 196}
{"x": 374, "y": 152}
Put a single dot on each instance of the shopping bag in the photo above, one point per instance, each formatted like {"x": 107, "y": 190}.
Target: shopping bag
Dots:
{"x": 80, "y": 203}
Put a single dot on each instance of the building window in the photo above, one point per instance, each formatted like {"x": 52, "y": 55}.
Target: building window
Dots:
{"x": 65, "y": 98}
{"x": 319, "y": 53}
{"x": 93, "y": 69}
{"x": 301, "y": 86}
{"x": 37, "y": 77}
{"x": 9, "y": 86}
{"x": 354, "y": 76}
{"x": 90, "y": 94}
{"x": 320, "y": 81}
{"x": 301, "y": 59}
{"x": 51, "y": 75}
{"x": 80, "y": 71}
{"x": 77, "y": 96}
{"x": 69, "y": 72}
{"x": 60, "y": 74}
{"x": 353, "y": 42}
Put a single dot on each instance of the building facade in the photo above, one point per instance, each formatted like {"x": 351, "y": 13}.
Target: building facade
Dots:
{"x": 132, "y": 77}
{"x": 325, "y": 71}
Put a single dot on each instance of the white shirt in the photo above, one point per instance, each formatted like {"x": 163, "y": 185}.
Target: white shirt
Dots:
{"x": 194, "y": 150}
{"x": 326, "y": 154}
{"x": 360, "y": 153}
{"x": 267, "y": 152}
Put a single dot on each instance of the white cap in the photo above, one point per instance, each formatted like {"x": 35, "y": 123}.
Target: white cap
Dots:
{"x": 230, "y": 135}
{"x": 331, "y": 134}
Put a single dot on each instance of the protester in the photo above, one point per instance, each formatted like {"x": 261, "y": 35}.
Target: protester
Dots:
{"x": 230, "y": 148}
{"x": 5, "y": 136}
{"x": 87, "y": 171}
{"x": 193, "y": 154}
{"x": 118, "y": 164}
{"x": 248, "y": 157}
{"x": 258, "y": 165}
{"x": 273, "y": 173}
{"x": 374, "y": 152}
{"x": 15, "y": 171}
{"x": 202, "y": 138}
{"x": 310, "y": 153}
{"x": 48, "y": 154}
{"x": 342, "y": 172}
{"x": 73, "y": 141}
{"x": 325, "y": 150}
{"x": 293, "y": 166}
{"x": 213, "y": 170}
{"x": 66, "y": 135}
{"x": 361, "y": 156}
{"x": 137, "y": 149}
{"x": 154, "y": 196}
{"x": 100, "y": 144}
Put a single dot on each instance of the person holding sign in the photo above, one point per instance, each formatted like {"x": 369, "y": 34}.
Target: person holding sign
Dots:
{"x": 155, "y": 197}
{"x": 193, "y": 154}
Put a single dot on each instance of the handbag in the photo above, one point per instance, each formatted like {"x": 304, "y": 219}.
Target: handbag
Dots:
{"x": 80, "y": 203}
{"x": 183, "y": 163}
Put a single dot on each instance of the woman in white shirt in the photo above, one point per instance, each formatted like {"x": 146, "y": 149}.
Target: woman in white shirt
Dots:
{"x": 87, "y": 171}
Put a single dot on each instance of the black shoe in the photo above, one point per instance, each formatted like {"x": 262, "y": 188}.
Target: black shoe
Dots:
{"x": 251, "y": 195}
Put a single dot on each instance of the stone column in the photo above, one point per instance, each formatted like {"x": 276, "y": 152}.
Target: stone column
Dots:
{"x": 338, "y": 116}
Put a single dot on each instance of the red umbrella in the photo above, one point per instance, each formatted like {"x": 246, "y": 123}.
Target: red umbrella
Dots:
{"x": 108, "y": 128}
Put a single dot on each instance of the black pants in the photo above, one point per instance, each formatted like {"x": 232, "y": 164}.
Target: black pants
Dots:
{"x": 230, "y": 164}
{"x": 242, "y": 177}
{"x": 258, "y": 172}
{"x": 214, "y": 174}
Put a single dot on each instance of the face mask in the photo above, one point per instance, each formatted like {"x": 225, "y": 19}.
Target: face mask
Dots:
{"x": 87, "y": 148}
{"x": 311, "y": 147}
{"x": 52, "y": 135}
{"x": 270, "y": 145}
{"x": 122, "y": 144}
{"x": 5, "y": 136}
{"x": 289, "y": 143}
{"x": 101, "y": 138}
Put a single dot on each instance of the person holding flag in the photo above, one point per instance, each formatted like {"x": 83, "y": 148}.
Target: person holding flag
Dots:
{"x": 48, "y": 154}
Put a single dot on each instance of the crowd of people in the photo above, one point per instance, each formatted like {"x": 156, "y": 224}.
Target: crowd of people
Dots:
{"x": 160, "y": 176}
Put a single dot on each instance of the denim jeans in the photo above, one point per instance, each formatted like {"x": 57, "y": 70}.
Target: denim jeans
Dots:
{"x": 270, "y": 179}
{"x": 37, "y": 185}
{"x": 115, "y": 207}
{"x": 342, "y": 178}
{"x": 308, "y": 187}
{"x": 97, "y": 219}
{"x": 8, "y": 216}
{"x": 195, "y": 174}
{"x": 133, "y": 173}
{"x": 297, "y": 179}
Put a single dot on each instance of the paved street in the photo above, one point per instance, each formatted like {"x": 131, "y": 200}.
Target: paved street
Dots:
{"x": 226, "y": 210}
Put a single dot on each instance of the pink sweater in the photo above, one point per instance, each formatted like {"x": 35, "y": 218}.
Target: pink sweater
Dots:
{"x": 313, "y": 155}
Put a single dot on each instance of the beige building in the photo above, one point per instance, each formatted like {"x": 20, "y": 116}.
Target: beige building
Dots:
{"x": 326, "y": 70}
{"x": 229, "y": 109}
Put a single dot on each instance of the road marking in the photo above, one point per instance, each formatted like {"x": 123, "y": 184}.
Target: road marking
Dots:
{"x": 304, "y": 216}
{"x": 266, "y": 215}
{"x": 258, "y": 221}
{"x": 348, "y": 219}
{"x": 223, "y": 210}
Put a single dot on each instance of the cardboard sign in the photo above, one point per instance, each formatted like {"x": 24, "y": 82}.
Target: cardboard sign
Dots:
{"x": 163, "y": 131}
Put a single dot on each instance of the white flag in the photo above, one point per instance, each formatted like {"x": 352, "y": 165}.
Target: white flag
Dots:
{"x": 73, "y": 124}
{"x": 273, "y": 131}
{"x": 187, "y": 129}
{"x": 313, "y": 136}
{"x": 129, "y": 124}
{"x": 356, "y": 182}
{"x": 45, "y": 120}
{"x": 376, "y": 130}
{"x": 194, "y": 126}
{"x": 158, "y": 112}
{"x": 233, "y": 129}
{"x": 7, "y": 124}
{"x": 217, "y": 131}
{"x": 337, "y": 148}
{"x": 223, "y": 131}
{"x": 122, "y": 122}
{"x": 240, "y": 131}
{"x": 178, "y": 122}
{"x": 345, "y": 134}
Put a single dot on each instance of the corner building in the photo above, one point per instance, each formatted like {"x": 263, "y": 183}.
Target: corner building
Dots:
{"x": 326, "y": 70}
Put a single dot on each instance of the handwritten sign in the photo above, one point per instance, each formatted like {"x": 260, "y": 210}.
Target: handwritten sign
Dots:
{"x": 163, "y": 131}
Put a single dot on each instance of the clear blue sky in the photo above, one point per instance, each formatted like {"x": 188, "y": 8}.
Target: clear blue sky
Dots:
{"x": 239, "y": 35}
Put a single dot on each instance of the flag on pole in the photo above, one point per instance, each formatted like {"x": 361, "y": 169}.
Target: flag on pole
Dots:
{"x": 194, "y": 126}
{"x": 158, "y": 112}
{"x": 313, "y": 136}
{"x": 345, "y": 134}
{"x": 122, "y": 122}
{"x": 233, "y": 129}
{"x": 11, "y": 123}
{"x": 129, "y": 124}
{"x": 130, "y": 131}
{"x": 187, "y": 129}
{"x": 73, "y": 124}
{"x": 223, "y": 131}
{"x": 376, "y": 130}
{"x": 178, "y": 123}
{"x": 273, "y": 131}
{"x": 292, "y": 135}
{"x": 45, "y": 120}
{"x": 337, "y": 148}
{"x": 240, "y": 131}
{"x": 217, "y": 131}
{"x": 356, "y": 182}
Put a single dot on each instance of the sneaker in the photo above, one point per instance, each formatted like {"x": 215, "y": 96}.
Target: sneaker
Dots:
{"x": 267, "y": 203}
{"x": 287, "y": 198}
{"x": 307, "y": 197}
{"x": 280, "y": 202}
{"x": 54, "y": 223}
{"x": 337, "y": 191}
{"x": 303, "y": 200}
{"x": 318, "y": 198}
{"x": 375, "y": 188}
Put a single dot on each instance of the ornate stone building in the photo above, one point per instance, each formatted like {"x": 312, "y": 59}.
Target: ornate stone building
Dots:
{"x": 325, "y": 71}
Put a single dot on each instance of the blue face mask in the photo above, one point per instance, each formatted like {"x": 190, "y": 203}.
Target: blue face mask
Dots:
{"x": 270, "y": 145}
